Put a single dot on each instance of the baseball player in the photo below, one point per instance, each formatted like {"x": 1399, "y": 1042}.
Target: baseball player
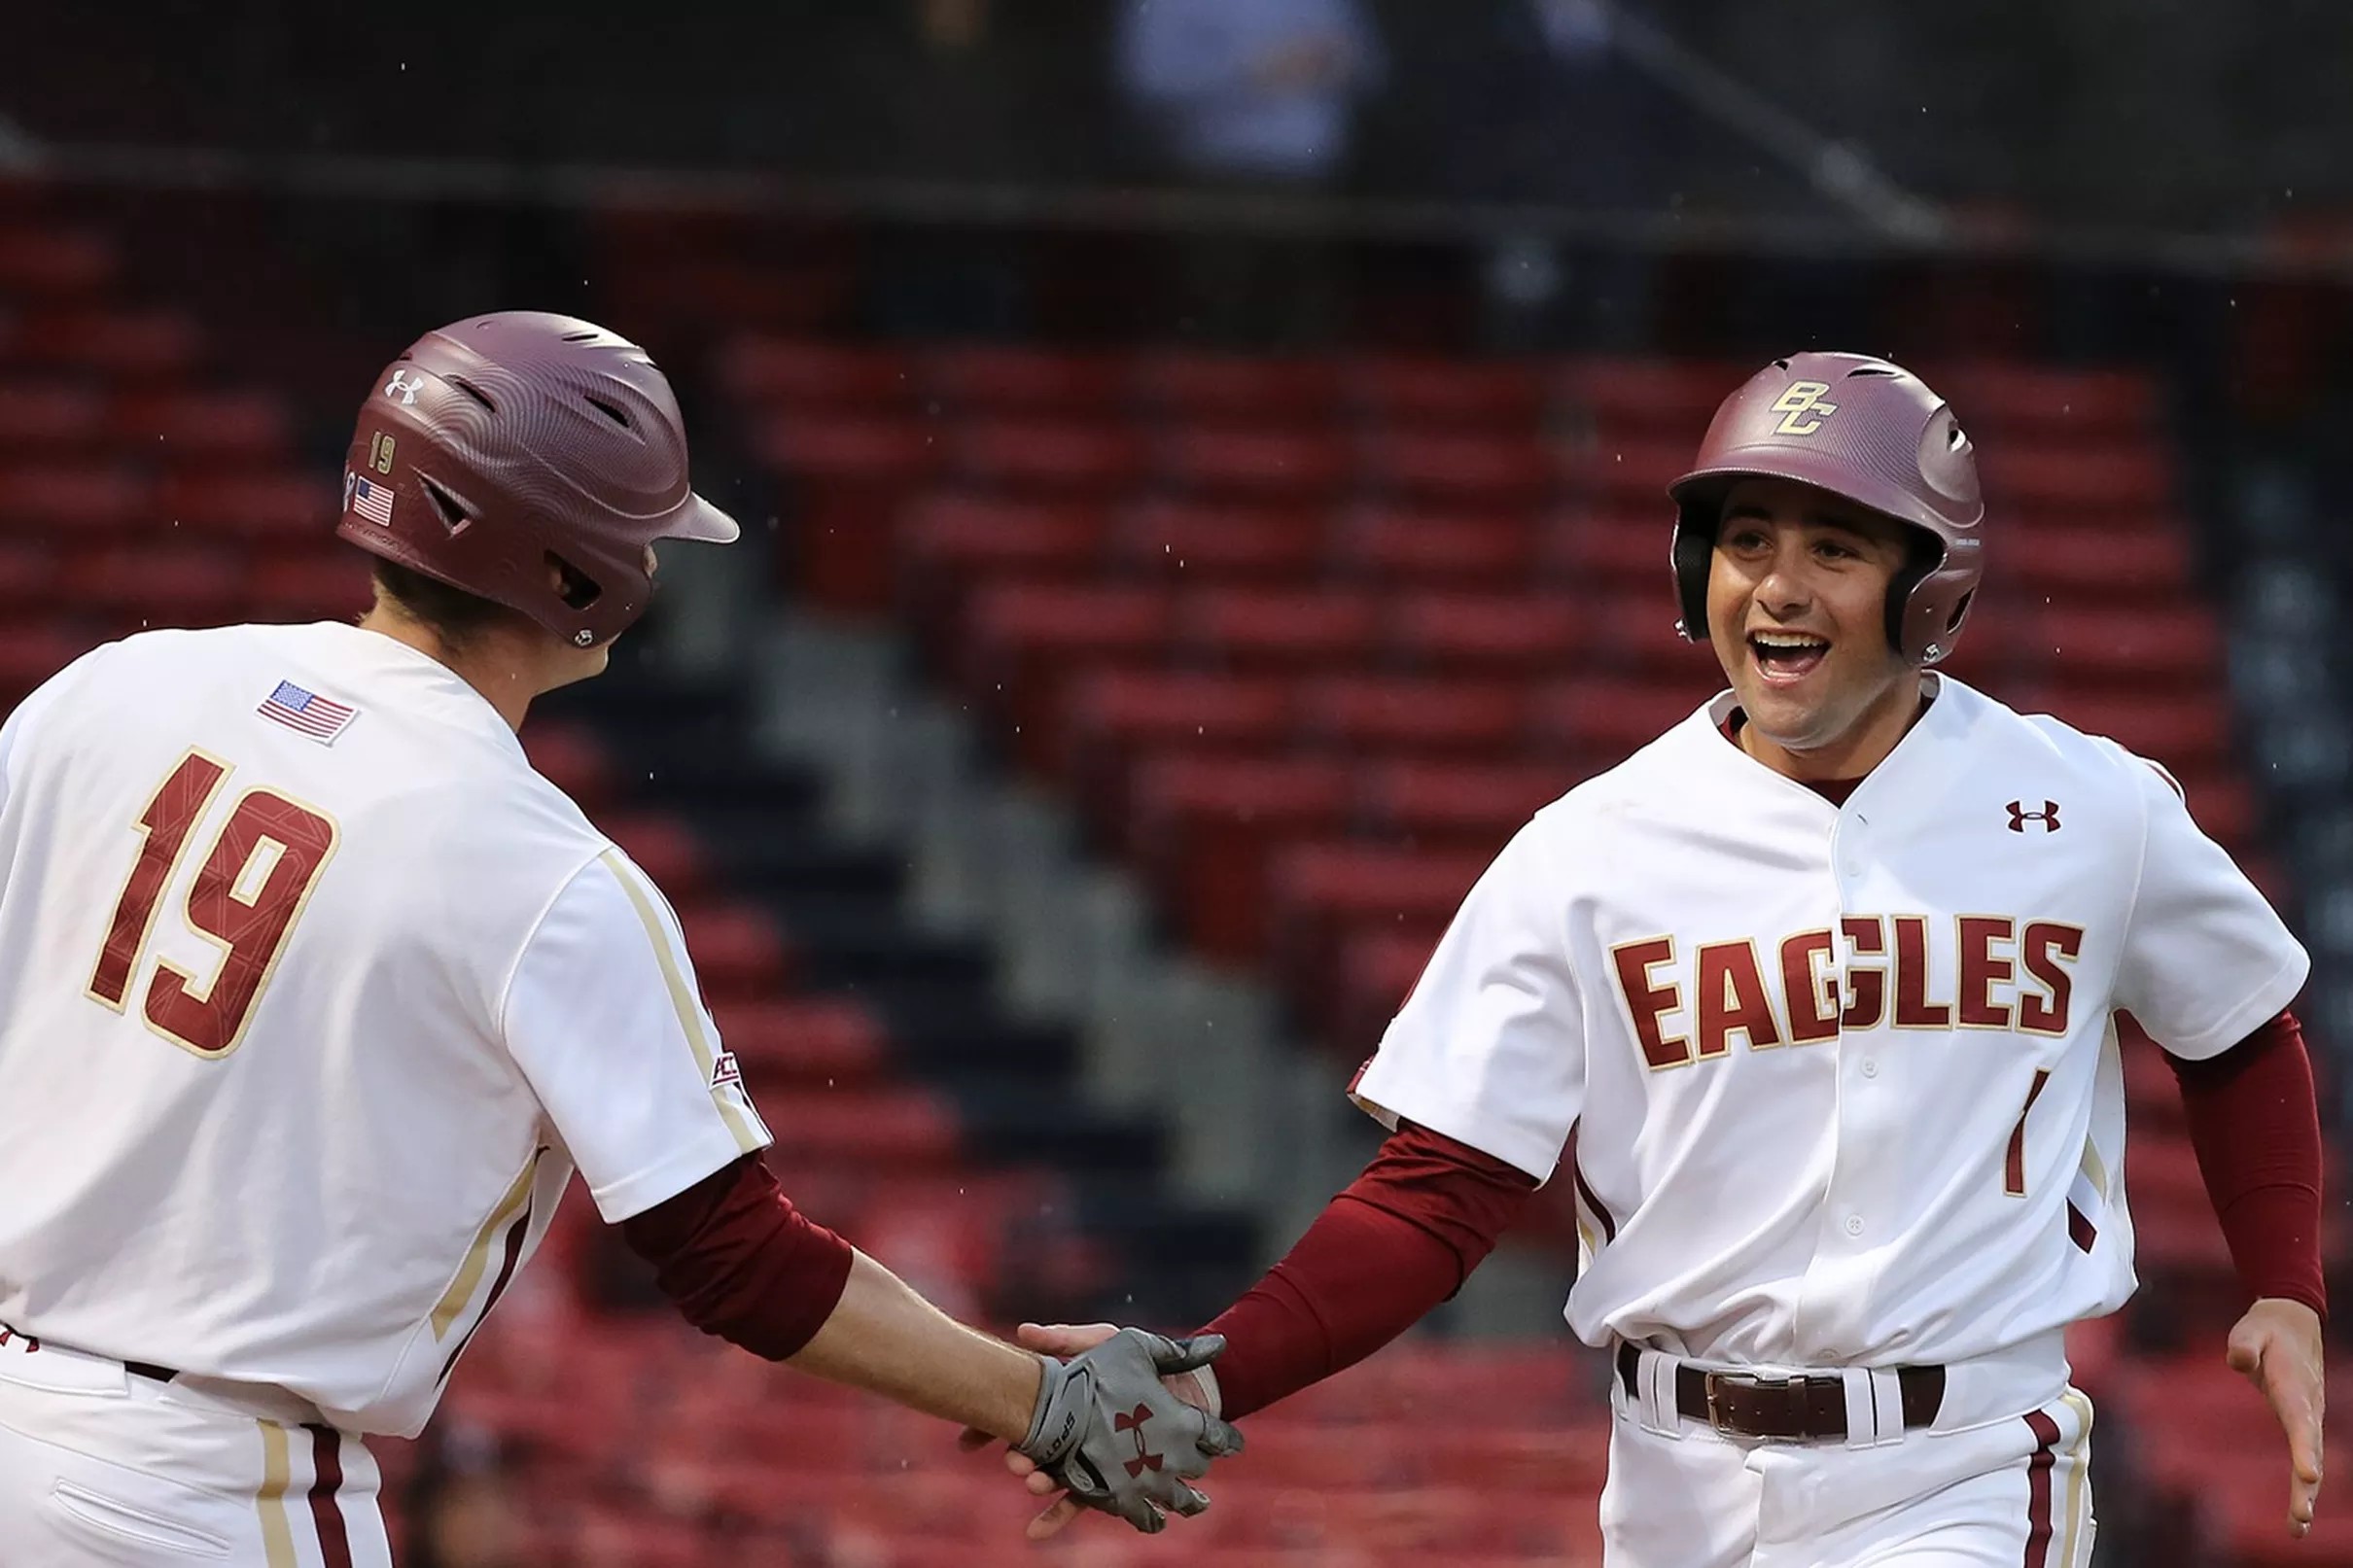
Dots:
{"x": 313, "y": 996}
{"x": 1824, "y": 982}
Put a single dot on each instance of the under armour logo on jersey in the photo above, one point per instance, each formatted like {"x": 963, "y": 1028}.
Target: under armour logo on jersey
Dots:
{"x": 1803, "y": 398}
{"x": 1133, "y": 1422}
{"x": 401, "y": 387}
{"x": 2019, "y": 817}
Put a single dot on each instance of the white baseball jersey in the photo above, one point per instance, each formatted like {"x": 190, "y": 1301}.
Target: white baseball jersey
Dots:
{"x": 312, "y": 995}
{"x": 1844, "y": 1079}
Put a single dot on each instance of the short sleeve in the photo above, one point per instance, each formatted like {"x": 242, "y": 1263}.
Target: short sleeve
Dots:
{"x": 1489, "y": 1048}
{"x": 605, "y": 1021}
{"x": 2206, "y": 958}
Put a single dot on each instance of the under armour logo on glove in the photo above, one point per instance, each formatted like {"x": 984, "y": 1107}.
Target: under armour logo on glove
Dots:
{"x": 2019, "y": 817}
{"x": 1133, "y": 1422}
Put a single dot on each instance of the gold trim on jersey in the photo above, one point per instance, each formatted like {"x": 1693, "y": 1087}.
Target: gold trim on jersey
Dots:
{"x": 446, "y": 1311}
{"x": 682, "y": 997}
{"x": 2079, "y": 1467}
{"x": 277, "y": 1472}
{"x": 2092, "y": 1168}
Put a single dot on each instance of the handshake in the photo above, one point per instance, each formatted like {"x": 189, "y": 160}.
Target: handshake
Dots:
{"x": 1114, "y": 1430}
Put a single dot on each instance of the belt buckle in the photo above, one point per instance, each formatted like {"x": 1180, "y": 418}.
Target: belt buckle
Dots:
{"x": 1717, "y": 1419}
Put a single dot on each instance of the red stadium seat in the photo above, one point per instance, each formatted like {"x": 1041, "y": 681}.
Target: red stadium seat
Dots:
{"x": 1509, "y": 395}
{"x": 1608, "y": 720}
{"x": 2178, "y": 645}
{"x": 950, "y": 542}
{"x": 851, "y": 473}
{"x": 1461, "y": 469}
{"x": 136, "y": 587}
{"x": 1319, "y": 894}
{"x": 1189, "y": 386}
{"x": 130, "y": 343}
{"x": 664, "y": 847}
{"x": 573, "y": 760}
{"x": 1204, "y": 826}
{"x": 996, "y": 379}
{"x": 43, "y": 416}
{"x": 801, "y": 1042}
{"x": 2187, "y": 732}
{"x": 1627, "y": 472}
{"x": 1053, "y": 456}
{"x": 1197, "y": 541}
{"x": 1672, "y": 399}
{"x": 904, "y": 1128}
{"x": 1620, "y": 549}
{"x": 1112, "y": 714}
{"x": 1373, "y": 973}
{"x": 1413, "y": 716}
{"x": 73, "y": 501}
{"x": 269, "y": 509}
{"x": 54, "y": 264}
{"x": 315, "y": 585}
{"x": 2075, "y": 478}
{"x": 1245, "y": 629}
{"x": 1023, "y": 641}
{"x": 1505, "y": 632}
{"x": 1414, "y": 546}
{"x": 205, "y": 427}
{"x": 31, "y": 652}
{"x": 792, "y": 373}
{"x": 1235, "y": 462}
{"x": 736, "y": 949}
{"x": 2121, "y": 560}
{"x": 1472, "y": 806}
{"x": 2026, "y": 398}
{"x": 29, "y": 576}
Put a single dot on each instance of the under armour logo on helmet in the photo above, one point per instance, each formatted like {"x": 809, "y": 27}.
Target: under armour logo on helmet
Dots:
{"x": 1133, "y": 1422}
{"x": 405, "y": 390}
{"x": 2019, "y": 817}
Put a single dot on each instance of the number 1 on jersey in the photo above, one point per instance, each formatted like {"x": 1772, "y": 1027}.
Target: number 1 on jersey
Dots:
{"x": 244, "y": 900}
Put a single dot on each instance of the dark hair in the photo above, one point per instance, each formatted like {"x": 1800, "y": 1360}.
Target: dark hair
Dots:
{"x": 457, "y": 617}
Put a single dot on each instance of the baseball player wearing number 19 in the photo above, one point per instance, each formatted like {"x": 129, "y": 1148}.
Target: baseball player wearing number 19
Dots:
{"x": 1825, "y": 982}
{"x": 314, "y": 996}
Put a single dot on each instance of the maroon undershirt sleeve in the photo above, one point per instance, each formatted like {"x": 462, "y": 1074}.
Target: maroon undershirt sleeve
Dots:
{"x": 2255, "y": 1123}
{"x": 1400, "y": 1241}
{"x": 741, "y": 1262}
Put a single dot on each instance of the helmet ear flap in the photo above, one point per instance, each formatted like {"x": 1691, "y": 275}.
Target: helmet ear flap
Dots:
{"x": 1694, "y": 546}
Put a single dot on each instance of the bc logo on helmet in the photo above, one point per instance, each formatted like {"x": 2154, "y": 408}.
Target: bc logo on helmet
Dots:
{"x": 1802, "y": 398}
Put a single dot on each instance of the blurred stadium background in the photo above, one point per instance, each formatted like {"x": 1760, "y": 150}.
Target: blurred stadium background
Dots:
{"x": 1202, "y": 463}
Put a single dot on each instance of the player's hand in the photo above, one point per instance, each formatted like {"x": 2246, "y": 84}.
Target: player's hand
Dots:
{"x": 1066, "y": 1340}
{"x": 2277, "y": 1345}
{"x": 1111, "y": 1435}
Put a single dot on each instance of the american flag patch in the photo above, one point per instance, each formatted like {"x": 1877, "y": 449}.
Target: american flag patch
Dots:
{"x": 373, "y": 502}
{"x": 307, "y": 712}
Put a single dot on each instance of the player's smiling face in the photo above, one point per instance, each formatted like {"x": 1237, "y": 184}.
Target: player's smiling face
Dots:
{"x": 1796, "y": 611}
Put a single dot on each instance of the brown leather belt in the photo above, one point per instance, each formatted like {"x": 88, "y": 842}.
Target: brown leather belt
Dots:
{"x": 1788, "y": 1408}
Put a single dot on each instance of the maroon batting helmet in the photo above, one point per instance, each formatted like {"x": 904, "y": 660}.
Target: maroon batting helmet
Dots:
{"x": 499, "y": 446}
{"x": 1859, "y": 427}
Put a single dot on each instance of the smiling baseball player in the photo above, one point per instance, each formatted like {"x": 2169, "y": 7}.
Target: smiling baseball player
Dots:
{"x": 314, "y": 996}
{"x": 1824, "y": 982}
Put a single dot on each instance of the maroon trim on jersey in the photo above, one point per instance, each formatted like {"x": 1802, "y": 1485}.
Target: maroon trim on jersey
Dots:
{"x": 2038, "y": 1488}
{"x": 739, "y": 1261}
{"x": 326, "y": 1512}
{"x": 1400, "y": 1241}
{"x": 2255, "y": 1123}
{"x": 1586, "y": 1194}
{"x": 2080, "y": 1228}
{"x": 498, "y": 1287}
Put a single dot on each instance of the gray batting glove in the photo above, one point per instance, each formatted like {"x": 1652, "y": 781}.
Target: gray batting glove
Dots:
{"x": 1120, "y": 1443}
